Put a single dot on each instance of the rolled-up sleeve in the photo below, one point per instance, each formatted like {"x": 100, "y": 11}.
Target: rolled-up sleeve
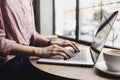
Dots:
{"x": 5, "y": 44}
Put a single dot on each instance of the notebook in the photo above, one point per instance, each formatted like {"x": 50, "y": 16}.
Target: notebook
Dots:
{"x": 87, "y": 56}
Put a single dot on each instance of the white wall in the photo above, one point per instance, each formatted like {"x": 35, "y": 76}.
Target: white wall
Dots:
{"x": 46, "y": 17}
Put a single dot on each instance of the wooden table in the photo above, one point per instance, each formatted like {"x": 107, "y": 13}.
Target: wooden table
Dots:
{"x": 74, "y": 72}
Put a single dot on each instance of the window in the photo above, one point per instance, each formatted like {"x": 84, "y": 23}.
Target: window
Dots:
{"x": 86, "y": 16}
{"x": 65, "y": 20}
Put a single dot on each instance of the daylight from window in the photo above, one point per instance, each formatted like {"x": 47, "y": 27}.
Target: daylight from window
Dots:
{"x": 91, "y": 14}
{"x": 65, "y": 17}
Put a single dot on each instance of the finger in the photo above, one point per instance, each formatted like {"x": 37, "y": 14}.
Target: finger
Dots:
{"x": 68, "y": 53}
{"x": 63, "y": 54}
{"x": 62, "y": 51}
{"x": 76, "y": 47}
{"x": 72, "y": 44}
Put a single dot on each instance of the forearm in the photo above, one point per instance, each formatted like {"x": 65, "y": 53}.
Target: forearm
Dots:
{"x": 22, "y": 50}
{"x": 50, "y": 51}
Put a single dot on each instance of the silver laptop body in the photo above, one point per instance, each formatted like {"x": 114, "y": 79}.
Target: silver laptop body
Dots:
{"x": 87, "y": 56}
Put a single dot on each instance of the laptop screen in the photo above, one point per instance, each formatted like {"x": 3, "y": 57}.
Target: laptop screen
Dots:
{"x": 101, "y": 35}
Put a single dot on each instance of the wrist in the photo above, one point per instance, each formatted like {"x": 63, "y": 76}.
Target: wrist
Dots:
{"x": 38, "y": 51}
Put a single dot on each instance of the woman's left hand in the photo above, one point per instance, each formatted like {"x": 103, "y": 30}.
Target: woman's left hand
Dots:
{"x": 68, "y": 43}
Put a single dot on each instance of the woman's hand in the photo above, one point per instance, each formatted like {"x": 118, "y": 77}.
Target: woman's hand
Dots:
{"x": 52, "y": 51}
{"x": 68, "y": 43}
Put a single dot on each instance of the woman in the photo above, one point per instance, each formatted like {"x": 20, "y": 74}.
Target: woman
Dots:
{"x": 18, "y": 39}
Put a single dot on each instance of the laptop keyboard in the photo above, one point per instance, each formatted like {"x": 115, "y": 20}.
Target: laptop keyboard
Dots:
{"x": 79, "y": 56}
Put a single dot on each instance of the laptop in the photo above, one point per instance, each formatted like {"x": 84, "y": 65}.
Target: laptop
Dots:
{"x": 87, "y": 56}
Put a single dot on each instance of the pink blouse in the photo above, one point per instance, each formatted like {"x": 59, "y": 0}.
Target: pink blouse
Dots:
{"x": 16, "y": 25}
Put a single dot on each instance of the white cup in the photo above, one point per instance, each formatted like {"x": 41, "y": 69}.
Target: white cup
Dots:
{"x": 112, "y": 60}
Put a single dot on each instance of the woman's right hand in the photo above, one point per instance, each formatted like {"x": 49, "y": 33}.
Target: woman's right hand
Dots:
{"x": 52, "y": 51}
